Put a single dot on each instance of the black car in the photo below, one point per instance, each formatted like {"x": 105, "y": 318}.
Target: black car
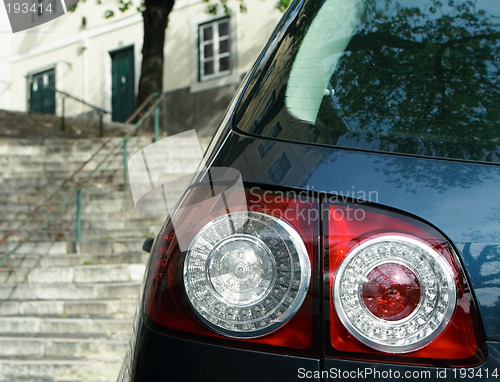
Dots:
{"x": 348, "y": 223}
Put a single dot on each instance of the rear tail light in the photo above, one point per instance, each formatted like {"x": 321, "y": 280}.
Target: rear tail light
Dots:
{"x": 248, "y": 281}
{"x": 394, "y": 293}
{"x": 250, "y": 277}
{"x": 397, "y": 291}
{"x": 246, "y": 276}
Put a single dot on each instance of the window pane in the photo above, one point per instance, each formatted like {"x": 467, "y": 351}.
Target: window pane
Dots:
{"x": 224, "y": 64}
{"x": 208, "y": 33}
{"x": 208, "y": 50}
{"x": 406, "y": 79}
{"x": 223, "y": 28}
{"x": 224, "y": 46}
{"x": 208, "y": 68}
{"x": 214, "y": 49}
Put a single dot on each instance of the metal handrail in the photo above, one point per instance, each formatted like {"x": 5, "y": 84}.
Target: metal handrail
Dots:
{"x": 100, "y": 111}
{"x": 153, "y": 108}
{"x": 96, "y": 108}
{"x": 151, "y": 105}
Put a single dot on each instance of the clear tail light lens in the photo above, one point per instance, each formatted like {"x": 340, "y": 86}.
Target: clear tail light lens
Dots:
{"x": 248, "y": 281}
{"x": 247, "y": 276}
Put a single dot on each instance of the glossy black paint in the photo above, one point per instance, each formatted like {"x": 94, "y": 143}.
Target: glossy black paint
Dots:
{"x": 460, "y": 199}
{"x": 337, "y": 369}
{"x": 164, "y": 358}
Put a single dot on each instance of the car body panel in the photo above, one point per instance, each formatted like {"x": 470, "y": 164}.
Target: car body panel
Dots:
{"x": 460, "y": 199}
{"x": 165, "y": 357}
{"x": 337, "y": 369}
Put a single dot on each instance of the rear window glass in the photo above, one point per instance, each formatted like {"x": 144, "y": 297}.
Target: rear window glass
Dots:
{"x": 415, "y": 77}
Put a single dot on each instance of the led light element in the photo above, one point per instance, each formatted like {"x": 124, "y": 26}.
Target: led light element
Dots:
{"x": 246, "y": 273}
{"x": 394, "y": 293}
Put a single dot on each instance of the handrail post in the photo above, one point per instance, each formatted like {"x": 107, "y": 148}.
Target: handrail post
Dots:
{"x": 157, "y": 123}
{"x": 101, "y": 129}
{"x": 62, "y": 116}
{"x": 125, "y": 164}
{"x": 78, "y": 228}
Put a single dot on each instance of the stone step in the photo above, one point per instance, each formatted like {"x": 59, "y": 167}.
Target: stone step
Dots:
{"x": 115, "y": 214}
{"x": 43, "y": 188}
{"x": 69, "y": 291}
{"x": 118, "y": 329}
{"x": 124, "y": 308}
{"x": 32, "y": 260}
{"x": 111, "y": 222}
{"x": 112, "y": 246}
{"x": 23, "y": 147}
{"x": 139, "y": 232}
{"x": 45, "y": 248}
{"x": 72, "y": 158}
{"x": 107, "y": 273}
{"x": 33, "y": 348}
{"x": 129, "y": 221}
{"x": 46, "y": 184}
{"x": 40, "y": 181}
{"x": 16, "y": 158}
{"x": 28, "y": 196}
{"x": 58, "y": 371}
{"x": 88, "y": 207}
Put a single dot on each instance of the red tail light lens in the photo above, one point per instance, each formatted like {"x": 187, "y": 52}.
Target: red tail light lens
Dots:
{"x": 394, "y": 293}
{"x": 396, "y": 290}
{"x": 391, "y": 291}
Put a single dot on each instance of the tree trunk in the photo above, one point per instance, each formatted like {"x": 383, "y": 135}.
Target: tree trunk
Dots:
{"x": 155, "y": 18}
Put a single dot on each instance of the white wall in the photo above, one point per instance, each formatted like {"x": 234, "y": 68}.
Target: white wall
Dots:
{"x": 80, "y": 54}
{"x": 251, "y": 29}
{"x": 5, "y": 37}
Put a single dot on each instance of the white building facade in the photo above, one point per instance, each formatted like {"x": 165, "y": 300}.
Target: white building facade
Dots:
{"x": 97, "y": 60}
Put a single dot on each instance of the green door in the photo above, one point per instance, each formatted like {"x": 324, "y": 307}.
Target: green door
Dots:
{"x": 122, "y": 83}
{"x": 42, "y": 92}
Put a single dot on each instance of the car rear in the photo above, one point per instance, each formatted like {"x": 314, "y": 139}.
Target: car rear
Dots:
{"x": 348, "y": 223}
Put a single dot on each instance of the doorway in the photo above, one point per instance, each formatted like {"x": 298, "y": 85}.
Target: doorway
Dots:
{"x": 42, "y": 92}
{"x": 122, "y": 83}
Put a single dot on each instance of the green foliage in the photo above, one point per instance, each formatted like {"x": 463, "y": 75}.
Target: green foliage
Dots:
{"x": 213, "y": 7}
{"x": 282, "y": 5}
{"x": 123, "y": 6}
{"x": 142, "y": 7}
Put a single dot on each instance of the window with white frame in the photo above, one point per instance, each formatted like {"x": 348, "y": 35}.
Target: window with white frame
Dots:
{"x": 214, "y": 49}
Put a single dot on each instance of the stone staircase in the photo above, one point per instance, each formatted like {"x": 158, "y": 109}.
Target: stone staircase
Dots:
{"x": 67, "y": 316}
